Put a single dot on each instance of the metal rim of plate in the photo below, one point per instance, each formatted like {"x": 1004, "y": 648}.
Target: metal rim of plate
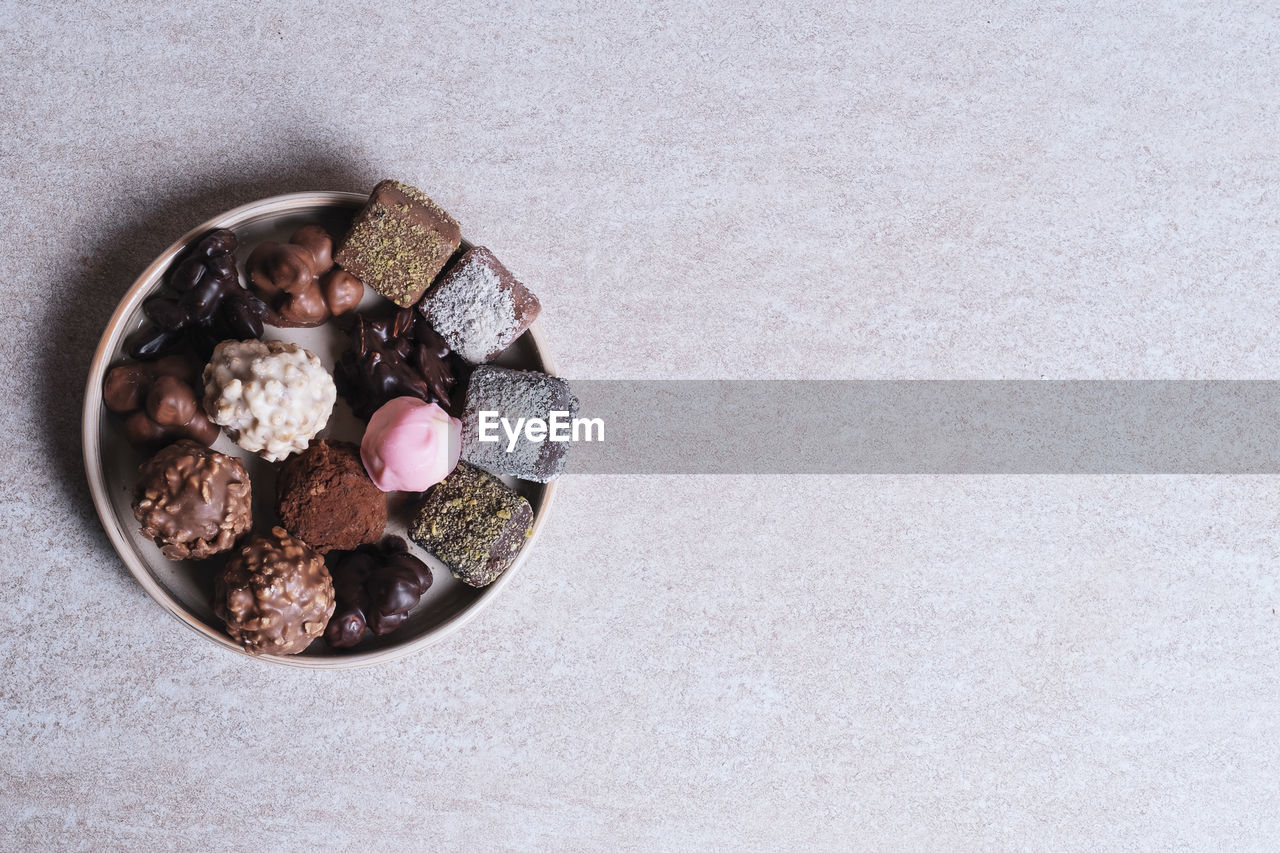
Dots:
{"x": 110, "y": 343}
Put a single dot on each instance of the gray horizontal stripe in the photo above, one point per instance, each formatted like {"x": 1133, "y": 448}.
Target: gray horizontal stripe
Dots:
{"x": 930, "y": 427}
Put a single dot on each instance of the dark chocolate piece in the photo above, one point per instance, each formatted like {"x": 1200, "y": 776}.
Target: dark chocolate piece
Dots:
{"x": 474, "y": 524}
{"x": 204, "y": 303}
{"x": 349, "y": 621}
{"x": 400, "y": 356}
{"x": 376, "y": 587}
{"x": 399, "y": 242}
{"x": 479, "y": 307}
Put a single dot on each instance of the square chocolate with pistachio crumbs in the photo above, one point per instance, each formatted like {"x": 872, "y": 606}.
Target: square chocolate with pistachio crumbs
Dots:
{"x": 473, "y": 523}
{"x": 399, "y": 242}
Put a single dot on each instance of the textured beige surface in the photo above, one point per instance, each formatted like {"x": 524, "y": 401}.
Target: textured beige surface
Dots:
{"x": 909, "y": 190}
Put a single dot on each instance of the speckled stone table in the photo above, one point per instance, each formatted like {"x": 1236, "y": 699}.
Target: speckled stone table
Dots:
{"x": 910, "y": 189}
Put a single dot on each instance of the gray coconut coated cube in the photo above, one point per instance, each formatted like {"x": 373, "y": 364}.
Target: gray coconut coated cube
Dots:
{"x": 516, "y": 396}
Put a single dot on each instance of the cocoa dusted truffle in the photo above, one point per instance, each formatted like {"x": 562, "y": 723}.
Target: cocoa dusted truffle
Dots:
{"x": 399, "y": 242}
{"x": 325, "y": 498}
{"x": 479, "y": 307}
{"x": 474, "y": 524}
{"x": 275, "y": 594}
{"x": 192, "y": 501}
{"x": 376, "y": 587}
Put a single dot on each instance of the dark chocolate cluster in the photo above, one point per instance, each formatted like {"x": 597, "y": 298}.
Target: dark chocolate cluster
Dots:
{"x": 401, "y": 356}
{"x": 204, "y": 304}
{"x": 375, "y": 587}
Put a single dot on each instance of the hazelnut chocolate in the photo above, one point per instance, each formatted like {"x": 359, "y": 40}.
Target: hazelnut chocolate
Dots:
{"x": 202, "y": 303}
{"x": 192, "y": 501}
{"x": 474, "y": 524}
{"x": 399, "y": 242}
{"x": 376, "y": 588}
{"x": 158, "y": 401}
{"x": 275, "y": 595}
{"x": 297, "y": 280}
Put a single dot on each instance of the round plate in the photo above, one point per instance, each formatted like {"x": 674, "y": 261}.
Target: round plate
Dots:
{"x": 185, "y": 588}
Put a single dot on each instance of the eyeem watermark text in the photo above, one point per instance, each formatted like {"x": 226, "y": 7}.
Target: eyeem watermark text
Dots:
{"x": 560, "y": 426}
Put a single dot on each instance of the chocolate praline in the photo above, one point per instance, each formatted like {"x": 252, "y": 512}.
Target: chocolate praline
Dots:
{"x": 473, "y": 523}
{"x": 399, "y": 242}
{"x": 396, "y": 356}
{"x": 158, "y": 401}
{"x": 325, "y": 498}
{"x": 479, "y": 307}
{"x": 192, "y": 501}
{"x": 275, "y": 595}
{"x": 298, "y": 282}
{"x": 376, "y": 586}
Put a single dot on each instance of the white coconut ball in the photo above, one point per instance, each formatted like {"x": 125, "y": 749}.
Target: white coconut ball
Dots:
{"x": 272, "y": 397}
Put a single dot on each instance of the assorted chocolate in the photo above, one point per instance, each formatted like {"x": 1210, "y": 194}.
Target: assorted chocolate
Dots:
{"x": 473, "y": 523}
{"x": 159, "y": 401}
{"x": 516, "y": 395}
{"x": 200, "y": 366}
{"x": 325, "y": 498}
{"x": 479, "y": 307}
{"x": 399, "y": 242}
{"x": 376, "y": 587}
{"x": 272, "y": 397}
{"x": 202, "y": 304}
{"x": 299, "y": 282}
{"x": 275, "y": 594}
{"x": 191, "y": 501}
{"x": 395, "y": 356}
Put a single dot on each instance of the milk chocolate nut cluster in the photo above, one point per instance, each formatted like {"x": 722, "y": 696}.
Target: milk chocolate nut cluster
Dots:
{"x": 192, "y": 501}
{"x": 376, "y": 587}
{"x": 275, "y": 594}
{"x": 158, "y": 401}
{"x": 397, "y": 357}
{"x": 299, "y": 282}
{"x": 204, "y": 303}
